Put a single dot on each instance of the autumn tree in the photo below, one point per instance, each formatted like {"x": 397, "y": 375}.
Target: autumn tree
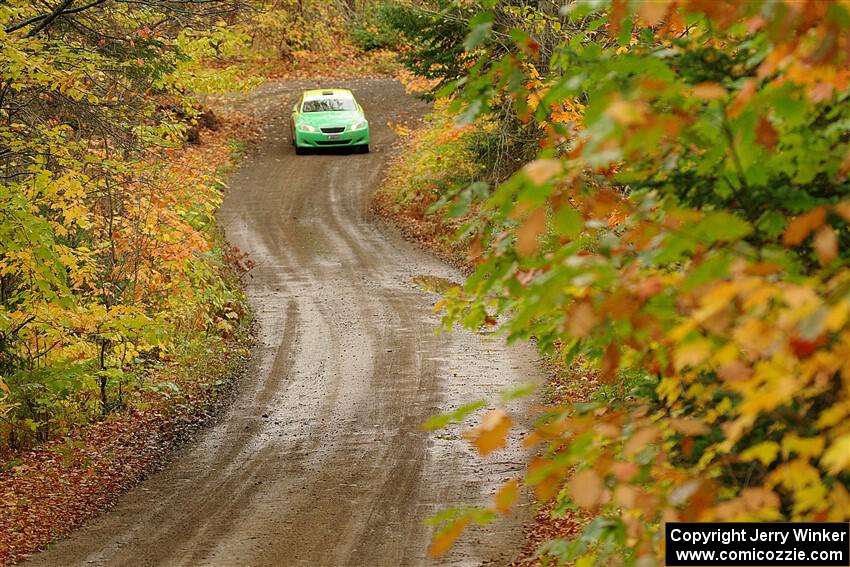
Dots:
{"x": 99, "y": 258}
{"x": 681, "y": 237}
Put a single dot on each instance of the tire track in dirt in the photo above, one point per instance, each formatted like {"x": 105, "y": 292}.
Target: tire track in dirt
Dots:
{"x": 321, "y": 460}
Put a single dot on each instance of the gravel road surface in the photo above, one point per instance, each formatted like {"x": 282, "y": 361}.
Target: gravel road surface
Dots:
{"x": 321, "y": 460}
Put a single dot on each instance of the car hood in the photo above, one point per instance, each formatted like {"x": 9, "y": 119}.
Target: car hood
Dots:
{"x": 334, "y": 118}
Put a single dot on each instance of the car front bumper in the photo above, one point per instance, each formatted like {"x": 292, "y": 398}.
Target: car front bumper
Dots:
{"x": 321, "y": 140}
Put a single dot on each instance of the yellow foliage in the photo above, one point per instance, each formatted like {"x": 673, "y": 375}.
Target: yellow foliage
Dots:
{"x": 492, "y": 433}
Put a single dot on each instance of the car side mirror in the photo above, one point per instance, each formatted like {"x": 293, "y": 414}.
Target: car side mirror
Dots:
{"x": 295, "y": 108}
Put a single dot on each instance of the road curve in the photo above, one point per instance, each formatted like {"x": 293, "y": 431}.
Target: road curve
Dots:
{"x": 321, "y": 459}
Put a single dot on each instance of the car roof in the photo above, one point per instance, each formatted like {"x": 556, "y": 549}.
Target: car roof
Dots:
{"x": 314, "y": 94}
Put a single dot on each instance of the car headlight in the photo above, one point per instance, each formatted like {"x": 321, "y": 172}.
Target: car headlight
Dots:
{"x": 359, "y": 125}
{"x": 307, "y": 128}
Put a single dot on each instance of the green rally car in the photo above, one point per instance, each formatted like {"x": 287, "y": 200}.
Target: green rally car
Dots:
{"x": 328, "y": 118}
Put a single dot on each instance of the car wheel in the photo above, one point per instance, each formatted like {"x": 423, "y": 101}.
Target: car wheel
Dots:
{"x": 363, "y": 149}
{"x": 299, "y": 151}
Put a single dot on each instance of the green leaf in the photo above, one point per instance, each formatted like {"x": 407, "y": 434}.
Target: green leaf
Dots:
{"x": 518, "y": 392}
{"x": 568, "y": 222}
{"x": 458, "y": 415}
{"x": 721, "y": 226}
{"x": 481, "y": 27}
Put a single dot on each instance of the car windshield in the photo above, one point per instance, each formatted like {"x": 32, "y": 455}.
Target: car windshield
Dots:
{"x": 328, "y": 104}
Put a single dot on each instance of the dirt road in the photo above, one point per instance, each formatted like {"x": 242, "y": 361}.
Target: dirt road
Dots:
{"x": 321, "y": 460}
